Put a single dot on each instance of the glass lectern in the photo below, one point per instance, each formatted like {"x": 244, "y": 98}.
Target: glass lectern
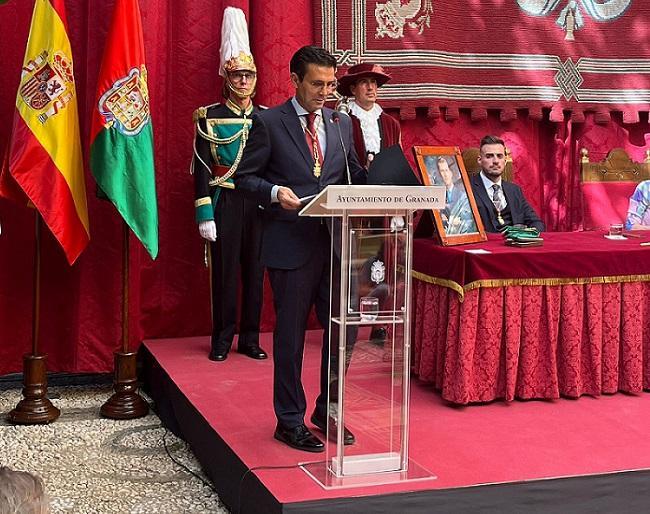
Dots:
{"x": 369, "y": 359}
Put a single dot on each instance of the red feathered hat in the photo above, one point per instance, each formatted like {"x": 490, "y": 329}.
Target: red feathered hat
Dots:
{"x": 359, "y": 71}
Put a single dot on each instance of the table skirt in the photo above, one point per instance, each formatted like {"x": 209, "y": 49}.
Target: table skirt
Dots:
{"x": 532, "y": 341}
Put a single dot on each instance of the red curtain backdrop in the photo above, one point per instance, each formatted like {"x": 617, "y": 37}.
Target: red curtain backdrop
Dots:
{"x": 81, "y": 305}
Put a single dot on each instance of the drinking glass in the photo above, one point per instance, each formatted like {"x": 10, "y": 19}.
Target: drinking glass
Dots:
{"x": 616, "y": 229}
{"x": 369, "y": 308}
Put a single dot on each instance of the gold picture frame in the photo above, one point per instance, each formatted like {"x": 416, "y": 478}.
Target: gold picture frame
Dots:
{"x": 459, "y": 222}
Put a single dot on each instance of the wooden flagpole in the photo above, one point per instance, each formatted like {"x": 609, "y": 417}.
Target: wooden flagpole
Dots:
{"x": 125, "y": 403}
{"x": 35, "y": 407}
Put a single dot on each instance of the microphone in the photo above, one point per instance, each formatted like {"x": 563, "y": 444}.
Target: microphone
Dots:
{"x": 336, "y": 119}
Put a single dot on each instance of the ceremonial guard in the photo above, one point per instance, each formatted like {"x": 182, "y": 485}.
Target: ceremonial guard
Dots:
{"x": 229, "y": 221}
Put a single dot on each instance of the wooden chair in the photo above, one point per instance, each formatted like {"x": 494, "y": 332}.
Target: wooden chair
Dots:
{"x": 470, "y": 159}
{"x": 607, "y": 186}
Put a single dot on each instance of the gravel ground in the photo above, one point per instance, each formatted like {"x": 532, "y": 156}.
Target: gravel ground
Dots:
{"x": 95, "y": 465}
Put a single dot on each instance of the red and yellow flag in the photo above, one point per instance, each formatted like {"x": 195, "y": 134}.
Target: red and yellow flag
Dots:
{"x": 44, "y": 157}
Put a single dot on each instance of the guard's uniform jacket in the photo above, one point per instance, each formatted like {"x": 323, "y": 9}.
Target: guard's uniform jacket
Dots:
{"x": 221, "y": 134}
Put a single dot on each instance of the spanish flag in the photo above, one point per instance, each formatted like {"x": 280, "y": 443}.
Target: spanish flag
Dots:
{"x": 44, "y": 165}
{"x": 121, "y": 148}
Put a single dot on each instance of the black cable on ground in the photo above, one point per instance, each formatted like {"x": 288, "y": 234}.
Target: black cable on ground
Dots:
{"x": 257, "y": 468}
{"x": 205, "y": 482}
{"x": 241, "y": 481}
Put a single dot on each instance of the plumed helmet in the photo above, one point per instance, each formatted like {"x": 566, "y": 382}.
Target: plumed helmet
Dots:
{"x": 235, "y": 49}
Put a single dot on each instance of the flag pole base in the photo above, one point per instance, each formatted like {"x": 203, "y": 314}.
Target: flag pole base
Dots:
{"x": 35, "y": 407}
{"x": 125, "y": 403}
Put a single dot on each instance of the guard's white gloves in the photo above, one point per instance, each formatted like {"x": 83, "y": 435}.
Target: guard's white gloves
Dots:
{"x": 397, "y": 223}
{"x": 208, "y": 230}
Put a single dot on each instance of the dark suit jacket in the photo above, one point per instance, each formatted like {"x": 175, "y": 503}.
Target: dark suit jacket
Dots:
{"x": 522, "y": 212}
{"x": 277, "y": 154}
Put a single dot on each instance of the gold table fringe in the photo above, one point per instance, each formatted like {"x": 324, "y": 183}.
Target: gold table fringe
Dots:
{"x": 461, "y": 290}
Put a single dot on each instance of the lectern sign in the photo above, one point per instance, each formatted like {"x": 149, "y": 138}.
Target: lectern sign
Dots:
{"x": 373, "y": 200}
{"x": 385, "y": 198}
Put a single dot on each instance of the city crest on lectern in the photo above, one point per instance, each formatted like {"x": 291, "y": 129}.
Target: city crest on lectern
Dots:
{"x": 377, "y": 272}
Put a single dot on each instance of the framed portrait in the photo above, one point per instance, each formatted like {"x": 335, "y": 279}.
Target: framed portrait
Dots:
{"x": 459, "y": 222}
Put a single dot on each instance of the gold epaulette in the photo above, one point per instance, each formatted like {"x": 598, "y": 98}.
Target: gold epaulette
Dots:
{"x": 202, "y": 112}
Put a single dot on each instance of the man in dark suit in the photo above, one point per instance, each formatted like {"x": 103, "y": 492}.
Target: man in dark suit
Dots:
{"x": 296, "y": 150}
{"x": 500, "y": 203}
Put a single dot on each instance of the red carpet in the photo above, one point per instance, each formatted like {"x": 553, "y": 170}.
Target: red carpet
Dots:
{"x": 463, "y": 446}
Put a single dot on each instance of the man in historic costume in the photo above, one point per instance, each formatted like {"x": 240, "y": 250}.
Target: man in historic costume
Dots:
{"x": 228, "y": 220}
{"x": 500, "y": 203}
{"x": 373, "y": 129}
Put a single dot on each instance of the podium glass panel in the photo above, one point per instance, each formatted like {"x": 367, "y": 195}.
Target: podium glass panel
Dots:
{"x": 368, "y": 389}
{"x": 369, "y": 333}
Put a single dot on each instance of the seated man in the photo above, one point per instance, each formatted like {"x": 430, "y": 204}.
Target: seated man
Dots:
{"x": 499, "y": 203}
{"x": 638, "y": 213}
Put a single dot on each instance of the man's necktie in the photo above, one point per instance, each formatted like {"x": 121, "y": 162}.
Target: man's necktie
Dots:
{"x": 496, "y": 200}
{"x": 311, "y": 136}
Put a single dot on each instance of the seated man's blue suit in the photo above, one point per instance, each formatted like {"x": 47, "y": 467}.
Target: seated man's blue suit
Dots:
{"x": 520, "y": 210}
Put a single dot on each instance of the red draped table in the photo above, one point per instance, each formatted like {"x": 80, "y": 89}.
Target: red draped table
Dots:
{"x": 571, "y": 317}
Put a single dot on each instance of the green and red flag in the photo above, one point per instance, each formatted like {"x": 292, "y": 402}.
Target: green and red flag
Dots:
{"x": 44, "y": 165}
{"x": 121, "y": 151}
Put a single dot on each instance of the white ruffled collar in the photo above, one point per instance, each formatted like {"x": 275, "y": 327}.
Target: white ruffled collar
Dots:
{"x": 369, "y": 125}
{"x": 373, "y": 114}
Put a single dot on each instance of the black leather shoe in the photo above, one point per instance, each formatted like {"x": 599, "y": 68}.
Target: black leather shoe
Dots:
{"x": 218, "y": 355}
{"x": 299, "y": 438}
{"x": 254, "y": 352}
{"x": 320, "y": 424}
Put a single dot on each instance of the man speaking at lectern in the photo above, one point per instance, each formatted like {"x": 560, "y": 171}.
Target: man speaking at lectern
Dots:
{"x": 296, "y": 150}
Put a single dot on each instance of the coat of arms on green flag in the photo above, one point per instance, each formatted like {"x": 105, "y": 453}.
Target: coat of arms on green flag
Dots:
{"x": 121, "y": 152}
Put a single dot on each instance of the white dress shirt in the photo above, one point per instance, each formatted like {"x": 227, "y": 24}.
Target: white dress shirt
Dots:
{"x": 487, "y": 183}
{"x": 319, "y": 123}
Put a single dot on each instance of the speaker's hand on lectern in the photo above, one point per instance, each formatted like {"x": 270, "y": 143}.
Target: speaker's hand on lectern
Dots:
{"x": 208, "y": 230}
{"x": 287, "y": 198}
